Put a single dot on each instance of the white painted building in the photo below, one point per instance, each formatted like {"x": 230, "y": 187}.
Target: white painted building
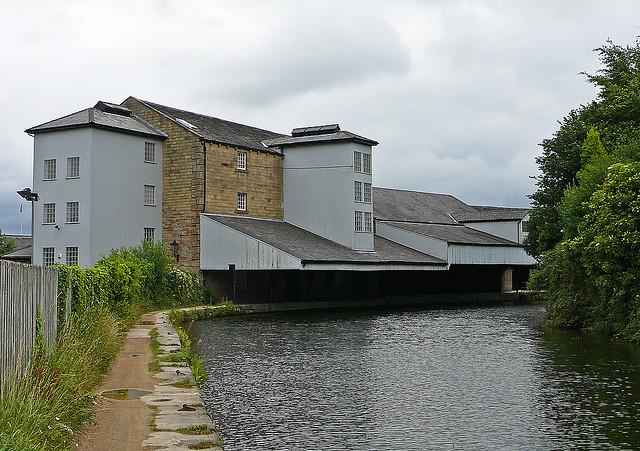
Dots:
{"x": 98, "y": 174}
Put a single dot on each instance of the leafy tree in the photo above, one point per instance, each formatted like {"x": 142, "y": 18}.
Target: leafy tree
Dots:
{"x": 6, "y": 244}
{"x": 615, "y": 114}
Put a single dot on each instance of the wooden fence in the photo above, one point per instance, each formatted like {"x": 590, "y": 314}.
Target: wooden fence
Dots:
{"x": 25, "y": 290}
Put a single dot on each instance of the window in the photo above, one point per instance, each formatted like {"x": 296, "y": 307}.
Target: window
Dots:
{"x": 149, "y": 152}
{"x": 241, "y": 161}
{"x": 72, "y": 212}
{"x": 50, "y": 169}
{"x": 72, "y": 256}
{"x": 358, "y": 221}
{"x": 48, "y": 256}
{"x": 366, "y": 163}
{"x": 242, "y": 202}
{"x": 357, "y": 161}
{"x": 525, "y": 226}
{"x": 149, "y": 195}
{"x": 149, "y": 234}
{"x": 357, "y": 191}
{"x": 368, "y": 223}
{"x": 73, "y": 167}
{"x": 367, "y": 193}
{"x": 49, "y": 214}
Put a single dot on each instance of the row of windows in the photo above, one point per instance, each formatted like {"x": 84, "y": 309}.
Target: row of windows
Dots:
{"x": 49, "y": 213}
{"x": 49, "y": 256}
{"x": 363, "y": 221}
{"x": 51, "y": 169}
{"x": 362, "y": 162}
{"x": 48, "y": 253}
{"x": 362, "y": 191}
{"x": 73, "y": 163}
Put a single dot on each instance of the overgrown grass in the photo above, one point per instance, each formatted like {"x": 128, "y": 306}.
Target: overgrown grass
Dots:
{"x": 154, "y": 366}
{"x": 55, "y": 396}
{"x": 198, "y": 429}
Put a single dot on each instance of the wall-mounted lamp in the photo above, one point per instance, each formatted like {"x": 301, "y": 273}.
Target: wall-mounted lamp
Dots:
{"x": 175, "y": 248}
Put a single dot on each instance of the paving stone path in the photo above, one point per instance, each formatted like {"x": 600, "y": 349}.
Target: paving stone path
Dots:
{"x": 177, "y": 409}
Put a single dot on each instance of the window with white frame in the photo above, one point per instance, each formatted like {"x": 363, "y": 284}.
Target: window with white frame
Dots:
{"x": 49, "y": 213}
{"x": 366, "y": 163}
{"x": 367, "y": 193}
{"x": 72, "y": 256}
{"x": 241, "y": 161}
{"x": 368, "y": 222}
{"x": 525, "y": 226}
{"x": 73, "y": 212}
{"x": 149, "y": 233}
{"x": 149, "y": 195}
{"x": 149, "y": 152}
{"x": 50, "y": 169}
{"x": 358, "y": 227}
{"x": 357, "y": 161}
{"x": 73, "y": 167}
{"x": 48, "y": 256}
{"x": 357, "y": 191}
{"x": 242, "y": 202}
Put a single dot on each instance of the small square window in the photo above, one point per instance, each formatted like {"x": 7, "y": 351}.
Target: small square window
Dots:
{"x": 50, "y": 169}
{"x": 72, "y": 256}
{"x": 357, "y": 191}
{"x": 242, "y": 202}
{"x": 49, "y": 213}
{"x": 366, "y": 163}
{"x": 357, "y": 161}
{"x": 149, "y": 152}
{"x": 358, "y": 221}
{"x": 149, "y": 233}
{"x": 73, "y": 167}
{"x": 48, "y": 256}
{"x": 241, "y": 161}
{"x": 73, "y": 214}
{"x": 367, "y": 193}
{"x": 149, "y": 195}
{"x": 368, "y": 223}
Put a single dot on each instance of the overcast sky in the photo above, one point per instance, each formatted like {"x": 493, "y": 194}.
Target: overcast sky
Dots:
{"x": 459, "y": 93}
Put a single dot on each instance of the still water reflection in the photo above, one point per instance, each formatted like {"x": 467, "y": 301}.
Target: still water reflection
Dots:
{"x": 423, "y": 379}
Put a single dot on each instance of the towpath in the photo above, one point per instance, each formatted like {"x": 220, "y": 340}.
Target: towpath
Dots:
{"x": 141, "y": 410}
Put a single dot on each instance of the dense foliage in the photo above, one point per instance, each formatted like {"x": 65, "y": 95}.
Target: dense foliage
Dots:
{"x": 6, "y": 244}
{"x": 41, "y": 410}
{"x": 585, "y": 223}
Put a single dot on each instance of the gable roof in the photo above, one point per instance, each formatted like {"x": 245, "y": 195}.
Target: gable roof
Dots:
{"x": 97, "y": 118}
{"x": 309, "y": 247}
{"x": 486, "y": 213}
{"x": 454, "y": 234}
{"x": 341, "y": 135}
{"x": 216, "y": 130}
{"x": 415, "y": 206}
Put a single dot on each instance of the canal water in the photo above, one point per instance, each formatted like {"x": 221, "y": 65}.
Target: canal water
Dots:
{"x": 477, "y": 378}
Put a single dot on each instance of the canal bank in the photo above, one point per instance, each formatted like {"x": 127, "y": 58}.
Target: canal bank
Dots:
{"x": 147, "y": 402}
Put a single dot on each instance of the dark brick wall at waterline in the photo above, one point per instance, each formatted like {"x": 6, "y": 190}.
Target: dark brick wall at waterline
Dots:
{"x": 321, "y": 286}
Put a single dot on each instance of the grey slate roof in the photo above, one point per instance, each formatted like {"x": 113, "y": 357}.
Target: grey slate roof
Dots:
{"x": 22, "y": 249}
{"x": 486, "y": 213}
{"x": 94, "y": 117}
{"x": 217, "y": 130}
{"x": 454, "y": 234}
{"x": 342, "y": 135}
{"x": 310, "y": 247}
{"x": 413, "y": 206}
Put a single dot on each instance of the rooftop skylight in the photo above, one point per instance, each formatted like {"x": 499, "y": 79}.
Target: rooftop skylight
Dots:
{"x": 186, "y": 123}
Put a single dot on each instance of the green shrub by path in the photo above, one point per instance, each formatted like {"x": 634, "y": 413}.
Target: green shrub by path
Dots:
{"x": 55, "y": 396}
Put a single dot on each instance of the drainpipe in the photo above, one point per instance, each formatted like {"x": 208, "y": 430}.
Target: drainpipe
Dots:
{"x": 204, "y": 174}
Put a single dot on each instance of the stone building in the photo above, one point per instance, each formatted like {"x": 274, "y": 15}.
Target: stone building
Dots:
{"x": 267, "y": 216}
